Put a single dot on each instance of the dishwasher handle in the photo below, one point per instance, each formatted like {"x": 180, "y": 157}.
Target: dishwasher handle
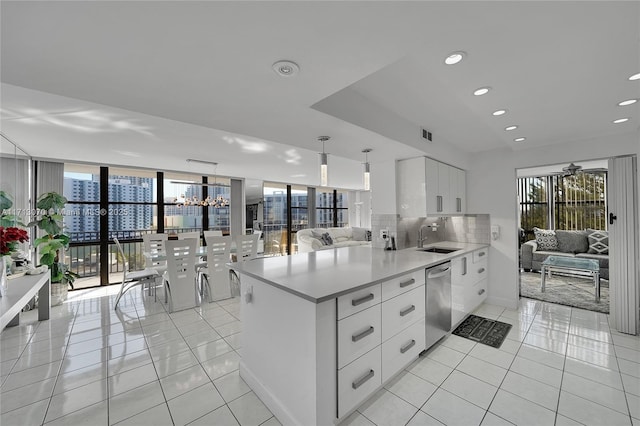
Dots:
{"x": 439, "y": 273}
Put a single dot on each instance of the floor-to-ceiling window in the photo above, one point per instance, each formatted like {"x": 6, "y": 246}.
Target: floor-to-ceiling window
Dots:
{"x": 332, "y": 208}
{"x": 275, "y": 218}
{"x": 82, "y": 218}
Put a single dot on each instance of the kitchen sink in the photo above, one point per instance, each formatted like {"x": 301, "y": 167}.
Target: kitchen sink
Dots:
{"x": 439, "y": 250}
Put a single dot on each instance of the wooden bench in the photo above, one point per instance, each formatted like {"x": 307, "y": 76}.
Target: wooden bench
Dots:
{"x": 19, "y": 292}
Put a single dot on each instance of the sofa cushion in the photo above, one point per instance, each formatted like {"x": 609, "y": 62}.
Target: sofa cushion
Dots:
{"x": 598, "y": 242}
{"x": 340, "y": 234}
{"x": 359, "y": 234}
{"x": 572, "y": 241}
{"x": 546, "y": 239}
{"x": 603, "y": 259}
{"x": 326, "y": 239}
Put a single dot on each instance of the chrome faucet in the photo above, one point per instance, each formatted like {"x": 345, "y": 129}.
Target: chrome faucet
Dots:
{"x": 421, "y": 239}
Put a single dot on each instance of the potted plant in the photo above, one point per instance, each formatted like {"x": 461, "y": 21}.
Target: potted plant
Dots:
{"x": 52, "y": 245}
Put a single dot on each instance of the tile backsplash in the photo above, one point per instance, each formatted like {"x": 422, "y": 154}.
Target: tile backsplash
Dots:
{"x": 465, "y": 229}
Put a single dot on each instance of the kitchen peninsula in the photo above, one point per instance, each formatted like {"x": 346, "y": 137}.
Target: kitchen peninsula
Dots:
{"x": 322, "y": 331}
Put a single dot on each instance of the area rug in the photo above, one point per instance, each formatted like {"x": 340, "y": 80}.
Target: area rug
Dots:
{"x": 566, "y": 290}
{"x": 483, "y": 330}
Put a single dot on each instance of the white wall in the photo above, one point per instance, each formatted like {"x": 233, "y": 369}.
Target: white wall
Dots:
{"x": 491, "y": 188}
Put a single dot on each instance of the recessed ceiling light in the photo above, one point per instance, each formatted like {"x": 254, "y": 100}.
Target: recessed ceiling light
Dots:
{"x": 519, "y": 139}
{"x": 285, "y": 68}
{"x": 508, "y": 128}
{"x": 620, "y": 120}
{"x": 499, "y": 112}
{"x": 627, "y": 102}
{"x": 482, "y": 91}
{"x": 454, "y": 58}
{"x": 635, "y": 77}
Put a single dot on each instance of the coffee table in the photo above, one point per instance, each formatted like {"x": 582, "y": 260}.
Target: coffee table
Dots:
{"x": 572, "y": 264}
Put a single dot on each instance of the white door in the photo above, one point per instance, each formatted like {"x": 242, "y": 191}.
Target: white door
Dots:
{"x": 623, "y": 244}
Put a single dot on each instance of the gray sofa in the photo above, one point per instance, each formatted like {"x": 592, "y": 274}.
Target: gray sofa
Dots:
{"x": 570, "y": 244}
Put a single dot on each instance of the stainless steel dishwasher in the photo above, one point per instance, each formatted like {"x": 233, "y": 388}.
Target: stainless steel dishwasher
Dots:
{"x": 438, "y": 315}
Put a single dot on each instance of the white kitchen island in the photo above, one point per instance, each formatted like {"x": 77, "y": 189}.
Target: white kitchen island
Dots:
{"x": 323, "y": 331}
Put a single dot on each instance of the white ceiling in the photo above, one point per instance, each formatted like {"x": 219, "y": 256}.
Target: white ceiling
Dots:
{"x": 153, "y": 83}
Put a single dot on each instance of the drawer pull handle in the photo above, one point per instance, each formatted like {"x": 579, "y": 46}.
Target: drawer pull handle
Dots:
{"x": 408, "y": 346}
{"x": 356, "y": 302}
{"x": 362, "y": 335}
{"x": 481, "y": 254}
{"x": 481, "y": 292}
{"x": 363, "y": 379}
{"x": 464, "y": 265}
{"x": 408, "y": 310}
{"x": 408, "y": 282}
{"x": 481, "y": 270}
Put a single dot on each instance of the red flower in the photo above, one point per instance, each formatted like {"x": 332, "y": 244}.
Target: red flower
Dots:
{"x": 9, "y": 237}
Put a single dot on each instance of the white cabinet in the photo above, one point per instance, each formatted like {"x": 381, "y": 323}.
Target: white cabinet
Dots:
{"x": 375, "y": 343}
{"x": 412, "y": 190}
{"x": 468, "y": 284}
{"x": 426, "y": 187}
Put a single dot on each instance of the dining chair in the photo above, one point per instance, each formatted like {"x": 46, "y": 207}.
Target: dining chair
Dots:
{"x": 154, "y": 244}
{"x": 208, "y": 234}
{"x": 180, "y": 277}
{"x": 190, "y": 234}
{"x": 214, "y": 278}
{"x": 246, "y": 249}
{"x": 131, "y": 279}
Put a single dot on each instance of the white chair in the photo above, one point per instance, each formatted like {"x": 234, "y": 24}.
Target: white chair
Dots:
{"x": 180, "y": 276}
{"x": 187, "y": 235}
{"x": 214, "y": 278}
{"x": 208, "y": 234}
{"x": 133, "y": 278}
{"x": 154, "y": 244}
{"x": 246, "y": 249}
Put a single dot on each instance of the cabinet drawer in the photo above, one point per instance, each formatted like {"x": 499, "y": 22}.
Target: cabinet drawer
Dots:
{"x": 402, "y": 348}
{"x": 358, "y": 334}
{"x": 475, "y": 295}
{"x": 357, "y": 301}
{"x": 358, "y": 380}
{"x": 402, "y": 284}
{"x": 478, "y": 271}
{"x": 401, "y": 311}
{"x": 480, "y": 255}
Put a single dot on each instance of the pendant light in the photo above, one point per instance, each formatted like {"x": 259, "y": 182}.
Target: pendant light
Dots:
{"x": 324, "y": 167}
{"x": 367, "y": 174}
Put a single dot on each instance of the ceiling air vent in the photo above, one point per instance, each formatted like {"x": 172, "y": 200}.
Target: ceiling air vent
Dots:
{"x": 426, "y": 134}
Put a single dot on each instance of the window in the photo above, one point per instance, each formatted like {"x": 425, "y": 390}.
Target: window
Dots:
{"x": 81, "y": 219}
{"x": 275, "y": 218}
{"x": 563, "y": 202}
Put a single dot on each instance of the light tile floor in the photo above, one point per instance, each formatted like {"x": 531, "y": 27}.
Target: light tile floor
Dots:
{"x": 90, "y": 364}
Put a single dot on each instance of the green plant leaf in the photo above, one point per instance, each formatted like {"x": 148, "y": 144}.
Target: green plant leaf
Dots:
{"x": 51, "y": 200}
{"x": 47, "y": 259}
{"x": 5, "y": 201}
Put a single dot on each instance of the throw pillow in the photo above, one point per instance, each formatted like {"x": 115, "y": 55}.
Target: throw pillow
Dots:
{"x": 572, "y": 241}
{"x": 368, "y": 233}
{"x": 359, "y": 234}
{"x": 326, "y": 239}
{"x": 546, "y": 239}
{"x": 598, "y": 242}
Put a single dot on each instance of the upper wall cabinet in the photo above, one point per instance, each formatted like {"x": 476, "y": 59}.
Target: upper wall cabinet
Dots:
{"x": 426, "y": 187}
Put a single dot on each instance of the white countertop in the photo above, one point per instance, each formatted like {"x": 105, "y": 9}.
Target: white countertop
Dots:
{"x": 326, "y": 274}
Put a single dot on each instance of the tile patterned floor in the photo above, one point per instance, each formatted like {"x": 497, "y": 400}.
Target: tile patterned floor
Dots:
{"x": 140, "y": 365}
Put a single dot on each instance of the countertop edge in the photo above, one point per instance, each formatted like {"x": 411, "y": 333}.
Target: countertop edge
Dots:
{"x": 331, "y": 296}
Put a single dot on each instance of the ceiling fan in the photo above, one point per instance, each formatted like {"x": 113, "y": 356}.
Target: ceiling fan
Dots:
{"x": 570, "y": 170}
